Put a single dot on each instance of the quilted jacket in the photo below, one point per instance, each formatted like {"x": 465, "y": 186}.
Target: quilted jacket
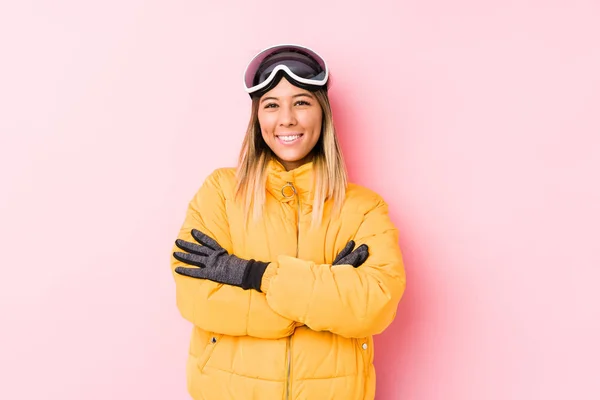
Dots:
{"x": 309, "y": 334}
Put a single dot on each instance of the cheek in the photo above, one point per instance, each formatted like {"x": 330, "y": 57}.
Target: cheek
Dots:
{"x": 266, "y": 124}
{"x": 315, "y": 121}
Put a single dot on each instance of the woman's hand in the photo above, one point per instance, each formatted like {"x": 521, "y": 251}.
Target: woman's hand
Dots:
{"x": 215, "y": 264}
{"x": 349, "y": 255}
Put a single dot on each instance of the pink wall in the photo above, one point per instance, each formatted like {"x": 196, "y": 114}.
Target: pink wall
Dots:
{"x": 479, "y": 123}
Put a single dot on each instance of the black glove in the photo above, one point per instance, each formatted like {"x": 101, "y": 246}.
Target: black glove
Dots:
{"x": 349, "y": 255}
{"x": 216, "y": 264}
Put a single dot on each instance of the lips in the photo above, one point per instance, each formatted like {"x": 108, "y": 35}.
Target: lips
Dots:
{"x": 289, "y": 138}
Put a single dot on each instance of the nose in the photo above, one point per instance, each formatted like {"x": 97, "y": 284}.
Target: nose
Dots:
{"x": 286, "y": 116}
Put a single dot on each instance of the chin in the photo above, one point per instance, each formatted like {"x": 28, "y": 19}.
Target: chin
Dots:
{"x": 291, "y": 158}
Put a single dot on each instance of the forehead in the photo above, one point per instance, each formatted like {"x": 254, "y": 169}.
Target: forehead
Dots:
{"x": 285, "y": 89}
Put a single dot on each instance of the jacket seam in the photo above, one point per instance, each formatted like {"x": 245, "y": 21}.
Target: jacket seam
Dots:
{"x": 243, "y": 376}
{"x": 280, "y": 381}
{"x": 328, "y": 377}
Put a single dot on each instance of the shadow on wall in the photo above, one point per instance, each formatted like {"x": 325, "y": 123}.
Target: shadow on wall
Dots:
{"x": 399, "y": 347}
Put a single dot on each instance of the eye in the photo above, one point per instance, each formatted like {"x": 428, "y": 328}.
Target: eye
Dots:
{"x": 302, "y": 103}
{"x": 271, "y": 105}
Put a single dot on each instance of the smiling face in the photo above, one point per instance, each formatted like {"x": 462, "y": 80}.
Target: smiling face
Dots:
{"x": 290, "y": 122}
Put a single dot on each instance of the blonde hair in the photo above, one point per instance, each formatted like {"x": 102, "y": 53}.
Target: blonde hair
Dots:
{"x": 330, "y": 180}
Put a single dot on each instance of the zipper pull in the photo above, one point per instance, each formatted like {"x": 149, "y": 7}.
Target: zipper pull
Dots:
{"x": 288, "y": 190}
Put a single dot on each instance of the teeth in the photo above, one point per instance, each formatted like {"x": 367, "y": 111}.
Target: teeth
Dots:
{"x": 289, "y": 138}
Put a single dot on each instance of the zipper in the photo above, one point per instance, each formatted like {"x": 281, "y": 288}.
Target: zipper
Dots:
{"x": 289, "y": 371}
{"x": 297, "y": 224}
{"x": 288, "y": 382}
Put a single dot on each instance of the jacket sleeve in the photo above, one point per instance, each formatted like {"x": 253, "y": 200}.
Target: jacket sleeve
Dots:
{"x": 212, "y": 306}
{"x": 348, "y": 301}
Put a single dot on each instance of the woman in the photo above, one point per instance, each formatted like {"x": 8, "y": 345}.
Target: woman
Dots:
{"x": 284, "y": 269}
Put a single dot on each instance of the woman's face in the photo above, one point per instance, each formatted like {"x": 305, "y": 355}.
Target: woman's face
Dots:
{"x": 290, "y": 122}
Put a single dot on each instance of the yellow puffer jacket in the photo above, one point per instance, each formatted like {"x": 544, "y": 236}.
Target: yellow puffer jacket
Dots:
{"x": 308, "y": 336}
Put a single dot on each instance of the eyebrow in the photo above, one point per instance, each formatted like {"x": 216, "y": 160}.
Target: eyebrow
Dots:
{"x": 293, "y": 97}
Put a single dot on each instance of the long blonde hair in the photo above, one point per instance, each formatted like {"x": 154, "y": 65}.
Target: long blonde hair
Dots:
{"x": 329, "y": 168}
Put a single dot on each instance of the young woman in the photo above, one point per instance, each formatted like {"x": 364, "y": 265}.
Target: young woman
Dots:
{"x": 284, "y": 269}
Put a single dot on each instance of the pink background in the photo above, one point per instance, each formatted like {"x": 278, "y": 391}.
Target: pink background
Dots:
{"x": 478, "y": 123}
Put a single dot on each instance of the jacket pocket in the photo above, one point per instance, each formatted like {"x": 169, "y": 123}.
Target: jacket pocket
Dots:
{"x": 213, "y": 342}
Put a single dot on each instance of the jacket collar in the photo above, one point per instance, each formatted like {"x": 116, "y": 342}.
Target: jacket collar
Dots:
{"x": 281, "y": 183}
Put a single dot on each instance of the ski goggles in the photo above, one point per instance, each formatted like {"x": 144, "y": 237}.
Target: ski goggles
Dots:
{"x": 304, "y": 67}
